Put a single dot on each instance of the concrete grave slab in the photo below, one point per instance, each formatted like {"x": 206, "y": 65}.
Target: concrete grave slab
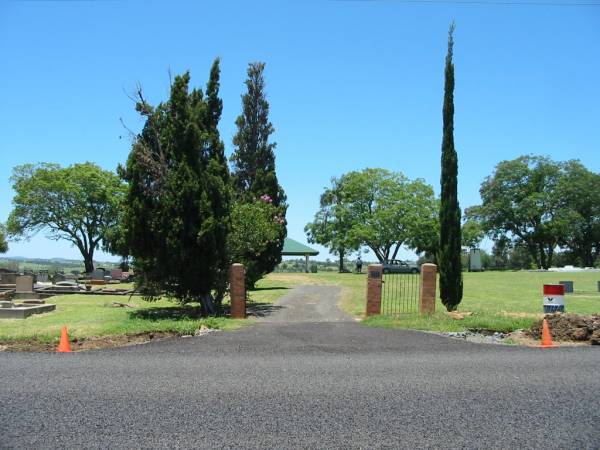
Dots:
{"x": 23, "y": 312}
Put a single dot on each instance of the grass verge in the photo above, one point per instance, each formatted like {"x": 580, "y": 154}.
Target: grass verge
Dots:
{"x": 91, "y": 316}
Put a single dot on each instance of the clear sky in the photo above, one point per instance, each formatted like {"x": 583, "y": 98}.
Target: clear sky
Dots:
{"x": 352, "y": 84}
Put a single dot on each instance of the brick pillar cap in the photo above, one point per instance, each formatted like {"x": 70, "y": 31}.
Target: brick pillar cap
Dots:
{"x": 427, "y": 265}
{"x": 237, "y": 264}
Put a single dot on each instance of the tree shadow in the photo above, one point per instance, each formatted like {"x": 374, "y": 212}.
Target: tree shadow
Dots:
{"x": 167, "y": 313}
{"x": 274, "y": 288}
{"x": 258, "y": 309}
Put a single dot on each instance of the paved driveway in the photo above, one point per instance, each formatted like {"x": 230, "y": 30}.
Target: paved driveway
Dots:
{"x": 311, "y": 384}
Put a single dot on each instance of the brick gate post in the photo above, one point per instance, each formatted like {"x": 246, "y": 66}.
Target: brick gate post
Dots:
{"x": 237, "y": 291}
{"x": 428, "y": 285}
{"x": 374, "y": 280}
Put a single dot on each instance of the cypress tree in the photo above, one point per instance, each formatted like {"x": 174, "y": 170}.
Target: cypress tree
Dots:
{"x": 219, "y": 180}
{"x": 451, "y": 286}
{"x": 175, "y": 219}
{"x": 254, "y": 177}
{"x": 254, "y": 158}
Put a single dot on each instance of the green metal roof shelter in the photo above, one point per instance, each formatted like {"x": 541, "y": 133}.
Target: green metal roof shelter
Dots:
{"x": 295, "y": 248}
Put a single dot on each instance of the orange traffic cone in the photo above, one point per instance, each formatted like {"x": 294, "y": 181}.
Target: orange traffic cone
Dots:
{"x": 64, "y": 346}
{"x": 546, "y": 336}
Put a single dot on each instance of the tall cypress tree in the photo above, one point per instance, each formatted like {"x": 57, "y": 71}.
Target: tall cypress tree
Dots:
{"x": 254, "y": 177}
{"x": 176, "y": 216}
{"x": 219, "y": 180}
{"x": 254, "y": 158}
{"x": 451, "y": 286}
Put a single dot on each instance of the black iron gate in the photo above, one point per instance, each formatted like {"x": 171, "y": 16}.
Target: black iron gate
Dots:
{"x": 400, "y": 293}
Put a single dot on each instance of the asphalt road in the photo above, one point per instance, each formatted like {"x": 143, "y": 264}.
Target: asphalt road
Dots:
{"x": 303, "y": 384}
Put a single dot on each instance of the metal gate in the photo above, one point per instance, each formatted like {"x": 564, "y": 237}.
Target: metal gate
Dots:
{"x": 400, "y": 293}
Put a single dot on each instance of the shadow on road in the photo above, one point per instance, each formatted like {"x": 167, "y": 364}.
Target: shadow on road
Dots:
{"x": 273, "y": 288}
{"x": 257, "y": 309}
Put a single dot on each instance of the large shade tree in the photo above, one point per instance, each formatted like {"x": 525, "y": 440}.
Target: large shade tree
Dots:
{"x": 520, "y": 202}
{"x": 79, "y": 204}
{"x": 578, "y": 213}
{"x": 176, "y": 217}
{"x": 379, "y": 209}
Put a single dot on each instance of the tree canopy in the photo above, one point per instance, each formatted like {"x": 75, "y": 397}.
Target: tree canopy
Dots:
{"x": 330, "y": 226}
{"x": 176, "y": 217}
{"x": 578, "y": 194}
{"x": 377, "y": 208}
{"x": 472, "y": 233}
{"x": 3, "y": 244}
{"x": 519, "y": 201}
{"x": 79, "y": 204}
{"x": 541, "y": 205}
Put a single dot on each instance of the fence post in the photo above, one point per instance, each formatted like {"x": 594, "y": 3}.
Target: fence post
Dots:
{"x": 374, "y": 281}
{"x": 428, "y": 285}
{"x": 237, "y": 291}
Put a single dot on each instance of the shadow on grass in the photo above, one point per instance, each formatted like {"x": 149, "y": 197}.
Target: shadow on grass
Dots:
{"x": 167, "y": 313}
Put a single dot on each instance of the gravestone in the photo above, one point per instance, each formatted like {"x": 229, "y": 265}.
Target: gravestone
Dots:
{"x": 98, "y": 274}
{"x": 475, "y": 260}
{"x": 24, "y": 284}
{"x": 568, "y": 286}
{"x": 116, "y": 274}
{"x": 59, "y": 277}
{"x": 8, "y": 278}
{"x": 42, "y": 276}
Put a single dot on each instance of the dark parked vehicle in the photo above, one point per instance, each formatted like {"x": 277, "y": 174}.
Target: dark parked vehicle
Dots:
{"x": 398, "y": 266}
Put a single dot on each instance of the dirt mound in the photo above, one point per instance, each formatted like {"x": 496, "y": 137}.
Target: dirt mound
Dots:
{"x": 570, "y": 327}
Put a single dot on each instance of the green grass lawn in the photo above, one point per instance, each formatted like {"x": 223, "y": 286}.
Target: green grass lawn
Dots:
{"x": 94, "y": 316}
{"x": 502, "y": 301}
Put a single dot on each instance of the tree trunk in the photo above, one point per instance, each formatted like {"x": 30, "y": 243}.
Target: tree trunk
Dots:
{"x": 341, "y": 252}
{"x": 587, "y": 256}
{"x": 533, "y": 252}
{"x": 543, "y": 263}
{"x": 88, "y": 261}
{"x": 208, "y": 305}
{"x": 550, "y": 256}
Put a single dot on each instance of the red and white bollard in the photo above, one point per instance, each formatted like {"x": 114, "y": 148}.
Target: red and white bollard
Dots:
{"x": 554, "y": 298}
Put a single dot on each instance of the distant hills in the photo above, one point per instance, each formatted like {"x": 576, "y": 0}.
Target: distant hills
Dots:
{"x": 22, "y": 262}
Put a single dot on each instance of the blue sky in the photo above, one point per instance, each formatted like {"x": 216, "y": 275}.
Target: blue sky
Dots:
{"x": 352, "y": 84}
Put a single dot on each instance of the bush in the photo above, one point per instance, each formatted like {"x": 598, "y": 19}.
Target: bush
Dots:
{"x": 256, "y": 228}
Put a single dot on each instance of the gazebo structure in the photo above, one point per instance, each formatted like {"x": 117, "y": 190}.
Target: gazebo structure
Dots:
{"x": 295, "y": 248}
